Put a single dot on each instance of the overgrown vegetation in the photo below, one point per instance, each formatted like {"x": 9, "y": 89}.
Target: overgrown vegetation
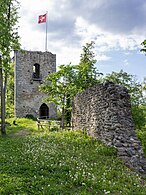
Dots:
{"x": 10, "y": 93}
{"x": 137, "y": 94}
{"x": 61, "y": 163}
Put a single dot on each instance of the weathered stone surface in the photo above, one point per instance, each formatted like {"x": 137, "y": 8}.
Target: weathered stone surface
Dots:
{"x": 105, "y": 112}
{"x": 28, "y": 98}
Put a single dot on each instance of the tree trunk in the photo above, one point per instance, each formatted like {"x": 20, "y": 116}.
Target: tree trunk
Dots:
{"x": 68, "y": 111}
{"x": 3, "y": 78}
{"x": 3, "y": 108}
{"x": 63, "y": 114}
{"x": 62, "y": 118}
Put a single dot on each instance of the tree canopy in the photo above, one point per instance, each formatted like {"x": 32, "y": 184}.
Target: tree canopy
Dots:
{"x": 87, "y": 74}
{"x": 144, "y": 46}
{"x": 136, "y": 91}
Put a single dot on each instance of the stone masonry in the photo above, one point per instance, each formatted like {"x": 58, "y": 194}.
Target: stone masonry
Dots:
{"x": 105, "y": 113}
{"x": 28, "y": 98}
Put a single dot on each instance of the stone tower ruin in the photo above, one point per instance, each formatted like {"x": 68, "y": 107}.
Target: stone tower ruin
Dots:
{"x": 31, "y": 69}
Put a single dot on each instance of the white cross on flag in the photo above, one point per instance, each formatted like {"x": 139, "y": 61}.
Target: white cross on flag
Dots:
{"x": 42, "y": 18}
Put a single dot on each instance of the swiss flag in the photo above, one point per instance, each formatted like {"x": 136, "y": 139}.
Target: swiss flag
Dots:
{"x": 42, "y": 18}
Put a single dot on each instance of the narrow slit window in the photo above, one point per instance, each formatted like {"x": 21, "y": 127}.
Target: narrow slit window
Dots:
{"x": 36, "y": 71}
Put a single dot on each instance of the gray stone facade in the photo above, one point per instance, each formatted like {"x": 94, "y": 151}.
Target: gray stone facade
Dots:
{"x": 105, "y": 113}
{"x": 31, "y": 69}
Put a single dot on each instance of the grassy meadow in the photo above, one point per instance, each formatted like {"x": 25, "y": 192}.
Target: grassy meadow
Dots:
{"x": 62, "y": 163}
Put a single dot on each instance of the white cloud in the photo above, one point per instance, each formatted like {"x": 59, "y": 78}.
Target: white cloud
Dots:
{"x": 106, "y": 41}
{"x": 68, "y": 55}
{"x": 102, "y": 57}
{"x": 126, "y": 63}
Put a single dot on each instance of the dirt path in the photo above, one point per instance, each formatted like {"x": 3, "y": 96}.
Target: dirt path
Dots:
{"x": 21, "y": 133}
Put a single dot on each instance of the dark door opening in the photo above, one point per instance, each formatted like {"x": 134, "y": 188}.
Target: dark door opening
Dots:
{"x": 44, "y": 111}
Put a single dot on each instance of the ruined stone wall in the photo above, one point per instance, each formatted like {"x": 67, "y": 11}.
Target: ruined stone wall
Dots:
{"x": 105, "y": 113}
{"x": 28, "y": 98}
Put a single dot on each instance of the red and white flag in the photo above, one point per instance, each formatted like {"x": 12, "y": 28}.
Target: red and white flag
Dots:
{"x": 42, "y": 18}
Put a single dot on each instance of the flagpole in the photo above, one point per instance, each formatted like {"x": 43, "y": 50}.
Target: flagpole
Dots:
{"x": 46, "y": 31}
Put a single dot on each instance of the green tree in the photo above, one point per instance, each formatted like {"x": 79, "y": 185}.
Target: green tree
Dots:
{"x": 9, "y": 41}
{"x": 61, "y": 88}
{"x": 10, "y": 93}
{"x": 136, "y": 91}
{"x": 144, "y": 46}
{"x": 64, "y": 84}
{"x": 87, "y": 74}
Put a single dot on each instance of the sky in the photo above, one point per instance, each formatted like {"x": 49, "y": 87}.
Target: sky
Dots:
{"x": 118, "y": 27}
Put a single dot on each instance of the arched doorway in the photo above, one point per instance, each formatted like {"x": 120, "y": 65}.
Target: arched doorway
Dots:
{"x": 44, "y": 111}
